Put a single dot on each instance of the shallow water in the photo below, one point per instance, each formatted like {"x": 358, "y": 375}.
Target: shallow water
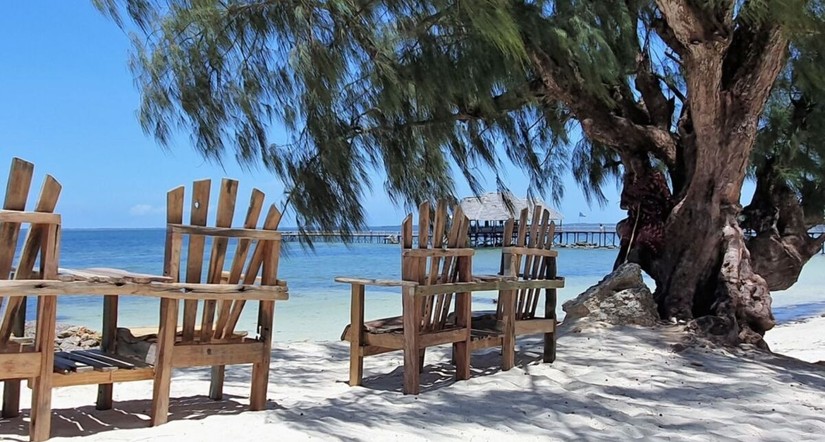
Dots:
{"x": 318, "y": 308}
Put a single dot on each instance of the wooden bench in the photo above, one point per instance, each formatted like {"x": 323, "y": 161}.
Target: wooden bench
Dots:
{"x": 18, "y": 359}
{"x": 528, "y": 271}
{"x": 429, "y": 273}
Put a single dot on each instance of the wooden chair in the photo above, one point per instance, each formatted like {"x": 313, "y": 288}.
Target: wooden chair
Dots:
{"x": 19, "y": 360}
{"x": 430, "y": 274}
{"x": 528, "y": 265}
{"x": 215, "y": 343}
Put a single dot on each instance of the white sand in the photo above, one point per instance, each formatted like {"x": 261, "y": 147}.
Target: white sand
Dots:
{"x": 607, "y": 384}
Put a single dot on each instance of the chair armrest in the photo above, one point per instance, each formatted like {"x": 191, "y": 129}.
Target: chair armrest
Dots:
{"x": 375, "y": 282}
{"x": 487, "y": 278}
{"x": 503, "y": 284}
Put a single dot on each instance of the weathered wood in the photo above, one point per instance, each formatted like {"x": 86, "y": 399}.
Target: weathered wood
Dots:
{"x": 19, "y": 365}
{"x": 256, "y": 203}
{"x": 102, "y": 377}
{"x": 194, "y": 258}
{"x": 40, "y": 423}
{"x": 356, "y": 358}
{"x": 13, "y": 216}
{"x": 226, "y": 209}
{"x": 412, "y": 324}
{"x": 200, "y": 355}
{"x": 108, "y": 344}
{"x": 64, "y": 366}
{"x": 432, "y": 264}
{"x": 376, "y": 282}
{"x": 163, "y": 364}
{"x": 182, "y": 291}
{"x": 98, "y": 365}
{"x": 217, "y": 232}
{"x": 517, "y": 314}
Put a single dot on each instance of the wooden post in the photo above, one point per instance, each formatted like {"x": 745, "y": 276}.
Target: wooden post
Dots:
{"x": 108, "y": 344}
{"x": 550, "y": 312}
{"x": 508, "y": 339}
{"x": 11, "y": 388}
{"x": 356, "y": 329}
{"x": 163, "y": 363}
{"x": 463, "y": 313}
{"x": 40, "y": 425}
{"x": 260, "y": 370}
{"x": 412, "y": 309}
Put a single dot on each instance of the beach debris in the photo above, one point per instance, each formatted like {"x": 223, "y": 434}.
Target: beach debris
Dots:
{"x": 621, "y": 298}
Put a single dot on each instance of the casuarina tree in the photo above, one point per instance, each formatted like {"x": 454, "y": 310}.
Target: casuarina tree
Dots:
{"x": 669, "y": 96}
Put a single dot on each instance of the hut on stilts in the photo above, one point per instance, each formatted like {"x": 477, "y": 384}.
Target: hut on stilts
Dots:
{"x": 488, "y": 212}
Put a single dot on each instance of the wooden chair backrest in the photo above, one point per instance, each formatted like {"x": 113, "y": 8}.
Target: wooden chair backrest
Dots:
{"x": 219, "y": 321}
{"x": 428, "y": 265}
{"x": 41, "y": 241}
{"x": 526, "y": 258}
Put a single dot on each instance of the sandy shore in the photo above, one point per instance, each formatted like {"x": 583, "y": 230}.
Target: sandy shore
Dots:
{"x": 608, "y": 384}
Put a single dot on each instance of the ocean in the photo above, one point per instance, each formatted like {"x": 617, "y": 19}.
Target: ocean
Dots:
{"x": 318, "y": 308}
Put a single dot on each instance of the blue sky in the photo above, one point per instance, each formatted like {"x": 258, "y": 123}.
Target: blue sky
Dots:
{"x": 68, "y": 104}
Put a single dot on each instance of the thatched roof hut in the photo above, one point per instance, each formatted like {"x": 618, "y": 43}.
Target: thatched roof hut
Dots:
{"x": 492, "y": 207}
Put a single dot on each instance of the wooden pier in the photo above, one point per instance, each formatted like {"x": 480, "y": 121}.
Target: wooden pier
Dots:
{"x": 479, "y": 237}
{"x": 486, "y": 237}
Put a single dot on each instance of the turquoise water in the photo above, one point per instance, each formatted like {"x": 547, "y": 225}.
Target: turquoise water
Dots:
{"x": 318, "y": 308}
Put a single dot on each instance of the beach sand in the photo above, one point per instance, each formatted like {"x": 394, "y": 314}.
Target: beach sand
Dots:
{"x": 609, "y": 383}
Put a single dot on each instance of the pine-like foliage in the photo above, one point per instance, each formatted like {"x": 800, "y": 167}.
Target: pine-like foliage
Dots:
{"x": 427, "y": 90}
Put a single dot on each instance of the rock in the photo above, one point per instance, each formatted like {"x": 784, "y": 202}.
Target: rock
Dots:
{"x": 142, "y": 348}
{"x": 621, "y": 298}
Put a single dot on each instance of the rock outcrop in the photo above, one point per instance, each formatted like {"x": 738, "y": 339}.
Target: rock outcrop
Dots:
{"x": 621, "y": 298}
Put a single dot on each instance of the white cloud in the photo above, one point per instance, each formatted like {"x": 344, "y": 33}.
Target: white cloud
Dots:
{"x": 144, "y": 209}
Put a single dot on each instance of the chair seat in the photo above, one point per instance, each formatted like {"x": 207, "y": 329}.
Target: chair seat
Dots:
{"x": 481, "y": 320}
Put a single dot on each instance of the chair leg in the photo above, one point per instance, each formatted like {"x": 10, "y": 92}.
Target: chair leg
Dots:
{"x": 356, "y": 334}
{"x": 108, "y": 344}
{"x": 412, "y": 325}
{"x": 508, "y": 340}
{"x": 216, "y": 385}
{"x": 260, "y": 370}
{"x": 41, "y": 408}
{"x": 461, "y": 349}
{"x": 421, "y": 354}
{"x": 11, "y": 399}
{"x": 549, "y": 347}
{"x": 163, "y": 364}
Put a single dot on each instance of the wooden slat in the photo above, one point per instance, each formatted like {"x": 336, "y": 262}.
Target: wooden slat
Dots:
{"x": 64, "y": 365}
{"x": 226, "y": 232}
{"x": 174, "y": 216}
{"x": 198, "y": 355}
{"x": 106, "y": 358}
{"x": 439, "y": 224}
{"x": 19, "y": 365}
{"x": 226, "y": 210}
{"x": 102, "y": 377}
{"x": 125, "y": 361}
{"x": 194, "y": 258}
{"x": 182, "y": 291}
{"x": 436, "y": 253}
{"x": 256, "y": 204}
{"x": 32, "y": 246}
{"x": 98, "y": 365}
{"x": 271, "y": 222}
{"x": 17, "y": 191}
{"x": 530, "y": 251}
{"x": 532, "y": 295}
{"x": 8, "y": 216}
{"x": 110, "y": 275}
{"x": 375, "y": 282}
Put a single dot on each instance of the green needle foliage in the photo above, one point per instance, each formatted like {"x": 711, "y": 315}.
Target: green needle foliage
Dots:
{"x": 424, "y": 91}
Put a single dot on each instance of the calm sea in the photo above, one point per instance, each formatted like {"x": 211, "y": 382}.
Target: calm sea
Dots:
{"x": 318, "y": 308}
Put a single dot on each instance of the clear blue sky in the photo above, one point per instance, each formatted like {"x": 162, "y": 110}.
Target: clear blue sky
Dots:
{"x": 68, "y": 104}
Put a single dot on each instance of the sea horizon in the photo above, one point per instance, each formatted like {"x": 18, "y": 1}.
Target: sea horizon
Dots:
{"x": 318, "y": 308}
